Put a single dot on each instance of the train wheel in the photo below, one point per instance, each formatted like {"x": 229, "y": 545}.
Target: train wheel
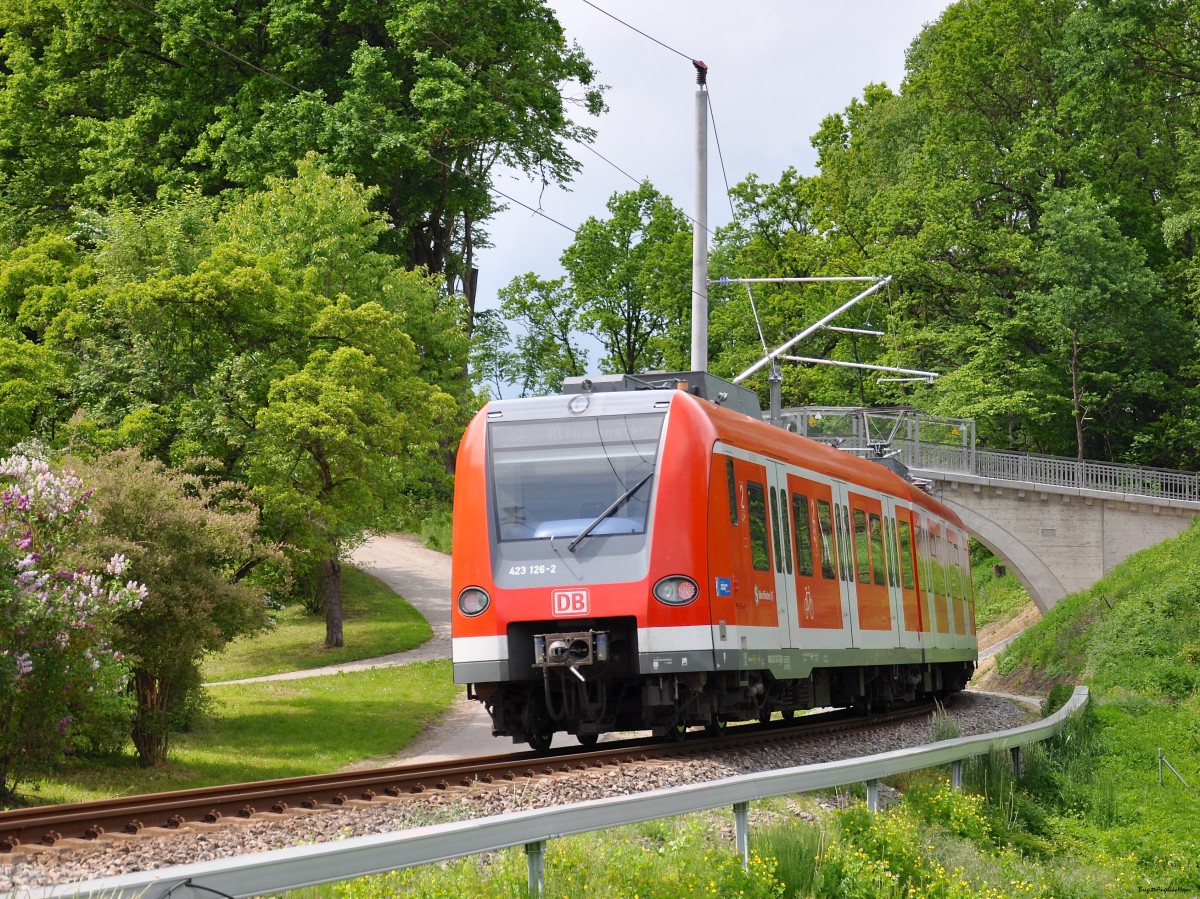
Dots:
{"x": 715, "y": 728}
{"x": 588, "y": 739}
{"x": 541, "y": 739}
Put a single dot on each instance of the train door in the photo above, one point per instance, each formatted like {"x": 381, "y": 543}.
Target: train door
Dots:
{"x": 895, "y": 590}
{"x": 819, "y": 621}
{"x": 926, "y": 565}
{"x": 939, "y": 619}
{"x": 964, "y": 611}
{"x": 783, "y": 544}
{"x": 876, "y": 620}
{"x": 914, "y": 618}
{"x": 751, "y": 581}
{"x": 845, "y": 560}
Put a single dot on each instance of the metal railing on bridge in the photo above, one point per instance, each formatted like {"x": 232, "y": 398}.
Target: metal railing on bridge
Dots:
{"x": 930, "y": 443}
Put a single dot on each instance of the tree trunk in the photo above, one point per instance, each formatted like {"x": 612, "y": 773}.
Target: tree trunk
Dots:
{"x": 333, "y": 602}
{"x": 1077, "y": 396}
{"x": 151, "y": 730}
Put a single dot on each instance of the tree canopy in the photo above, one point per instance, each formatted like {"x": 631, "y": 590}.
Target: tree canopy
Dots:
{"x": 103, "y": 100}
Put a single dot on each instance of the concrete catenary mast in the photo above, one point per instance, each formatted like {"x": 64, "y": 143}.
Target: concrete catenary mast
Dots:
{"x": 700, "y": 228}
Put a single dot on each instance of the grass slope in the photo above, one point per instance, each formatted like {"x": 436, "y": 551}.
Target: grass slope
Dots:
{"x": 1134, "y": 638}
{"x": 1136, "y": 631}
{"x": 377, "y": 623}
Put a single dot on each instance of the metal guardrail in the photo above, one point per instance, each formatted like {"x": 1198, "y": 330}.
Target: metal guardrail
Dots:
{"x": 305, "y": 866}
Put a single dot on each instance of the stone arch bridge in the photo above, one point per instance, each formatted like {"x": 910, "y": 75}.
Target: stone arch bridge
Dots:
{"x": 1059, "y": 524}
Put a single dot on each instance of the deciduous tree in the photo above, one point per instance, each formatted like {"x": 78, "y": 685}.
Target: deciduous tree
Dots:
{"x": 102, "y": 100}
{"x": 546, "y": 348}
{"x": 630, "y": 275}
{"x": 339, "y": 440}
{"x": 189, "y": 543}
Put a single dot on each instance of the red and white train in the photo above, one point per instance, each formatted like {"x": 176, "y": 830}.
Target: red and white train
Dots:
{"x": 629, "y": 559}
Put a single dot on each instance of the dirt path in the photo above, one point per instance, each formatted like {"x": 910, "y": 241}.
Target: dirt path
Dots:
{"x": 421, "y": 576}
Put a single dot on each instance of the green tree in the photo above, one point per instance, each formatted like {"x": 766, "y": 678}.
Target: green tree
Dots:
{"x": 30, "y": 377}
{"x": 631, "y": 278}
{"x": 421, "y": 99}
{"x": 177, "y": 352}
{"x": 1097, "y": 307}
{"x": 946, "y": 185}
{"x": 489, "y": 357}
{"x": 340, "y": 440}
{"x": 548, "y": 350}
{"x": 773, "y": 235}
{"x": 190, "y": 543}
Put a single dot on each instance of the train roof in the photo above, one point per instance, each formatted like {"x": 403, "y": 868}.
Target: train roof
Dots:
{"x": 756, "y": 434}
{"x": 743, "y": 429}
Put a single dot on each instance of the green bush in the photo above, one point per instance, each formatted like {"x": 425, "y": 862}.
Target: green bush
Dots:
{"x": 670, "y": 859}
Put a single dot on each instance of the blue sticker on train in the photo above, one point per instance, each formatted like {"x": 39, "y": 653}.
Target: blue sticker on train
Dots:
{"x": 724, "y": 587}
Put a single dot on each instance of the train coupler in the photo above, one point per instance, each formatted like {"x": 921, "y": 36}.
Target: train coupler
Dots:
{"x": 570, "y": 651}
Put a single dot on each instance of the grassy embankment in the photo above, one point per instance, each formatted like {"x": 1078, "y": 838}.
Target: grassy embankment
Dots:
{"x": 290, "y": 727}
{"x": 1088, "y": 817}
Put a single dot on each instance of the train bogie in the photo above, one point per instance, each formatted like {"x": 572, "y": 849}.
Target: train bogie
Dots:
{"x": 649, "y": 560}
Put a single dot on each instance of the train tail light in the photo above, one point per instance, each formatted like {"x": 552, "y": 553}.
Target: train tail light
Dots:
{"x": 473, "y": 601}
{"x": 676, "y": 590}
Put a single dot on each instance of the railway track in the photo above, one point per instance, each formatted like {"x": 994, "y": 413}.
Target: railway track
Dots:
{"x": 154, "y": 813}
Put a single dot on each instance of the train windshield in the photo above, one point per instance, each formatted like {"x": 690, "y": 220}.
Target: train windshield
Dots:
{"x": 553, "y": 478}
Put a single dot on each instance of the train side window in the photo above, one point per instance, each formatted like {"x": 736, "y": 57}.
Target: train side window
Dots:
{"x": 825, "y": 529}
{"x": 875, "y": 532}
{"x": 923, "y": 559}
{"x": 862, "y": 548}
{"x": 756, "y": 498}
{"x": 776, "y": 528}
{"x": 804, "y": 559}
{"x": 906, "y": 563}
{"x": 889, "y": 534}
{"x": 732, "y": 480}
{"x": 848, "y": 537}
{"x": 787, "y": 530}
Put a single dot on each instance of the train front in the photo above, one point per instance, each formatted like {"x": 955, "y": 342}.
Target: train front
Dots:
{"x": 565, "y": 602}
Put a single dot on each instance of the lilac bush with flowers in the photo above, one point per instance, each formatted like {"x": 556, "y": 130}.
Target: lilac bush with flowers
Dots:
{"x": 57, "y": 667}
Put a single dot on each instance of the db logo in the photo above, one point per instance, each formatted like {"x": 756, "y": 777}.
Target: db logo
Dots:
{"x": 570, "y": 603}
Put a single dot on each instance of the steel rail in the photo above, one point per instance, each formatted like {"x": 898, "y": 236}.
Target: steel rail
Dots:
{"x": 47, "y": 825}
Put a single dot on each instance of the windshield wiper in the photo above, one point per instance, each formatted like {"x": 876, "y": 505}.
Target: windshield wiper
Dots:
{"x": 620, "y": 501}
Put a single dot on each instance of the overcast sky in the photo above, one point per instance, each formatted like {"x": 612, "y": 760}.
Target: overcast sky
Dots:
{"x": 776, "y": 68}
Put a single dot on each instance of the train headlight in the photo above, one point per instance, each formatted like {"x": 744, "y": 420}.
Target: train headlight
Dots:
{"x": 473, "y": 601}
{"x": 676, "y": 590}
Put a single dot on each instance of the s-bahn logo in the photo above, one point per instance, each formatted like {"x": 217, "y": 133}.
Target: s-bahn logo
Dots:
{"x": 570, "y": 603}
